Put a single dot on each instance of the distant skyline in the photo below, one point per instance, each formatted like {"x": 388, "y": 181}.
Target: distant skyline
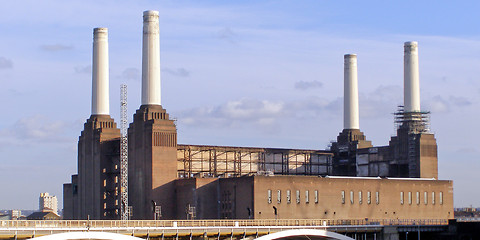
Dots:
{"x": 249, "y": 73}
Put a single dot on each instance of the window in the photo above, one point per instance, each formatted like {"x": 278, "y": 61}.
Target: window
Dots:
{"x": 104, "y": 195}
{"x": 440, "y": 196}
{"x": 377, "y": 197}
{"x": 306, "y": 196}
{"x": 433, "y": 198}
{"x": 316, "y": 196}
{"x": 401, "y": 198}
{"x": 360, "y": 197}
{"x": 425, "y": 198}
{"x": 269, "y": 196}
{"x": 418, "y": 198}
{"x": 116, "y": 202}
{"x": 410, "y": 198}
{"x": 104, "y": 205}
{"x": 279, "y": 196}
{"x": 298, "y": 196}
{"x": 116, "y": 179}
{"x": 343, "y": 197}
{"x": 351, "y": 197}
{"x": 369, "y": 197}
{"x": 105, "y": 182}
{"x": 288, "y": 196}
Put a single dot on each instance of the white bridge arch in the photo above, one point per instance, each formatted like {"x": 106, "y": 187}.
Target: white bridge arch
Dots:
{"x": 308, "y": 234}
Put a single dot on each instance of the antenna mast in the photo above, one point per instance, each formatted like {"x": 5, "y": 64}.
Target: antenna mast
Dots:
{"x": 124, "y": 152}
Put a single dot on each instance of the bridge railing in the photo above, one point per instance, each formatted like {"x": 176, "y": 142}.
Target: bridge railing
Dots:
{"x": 211, "y": 223}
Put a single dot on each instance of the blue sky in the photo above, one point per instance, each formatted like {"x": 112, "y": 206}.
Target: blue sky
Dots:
{"x": 249, "y": 73}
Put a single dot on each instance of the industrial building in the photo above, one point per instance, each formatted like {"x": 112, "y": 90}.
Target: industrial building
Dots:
{"x": 166, "y": 180}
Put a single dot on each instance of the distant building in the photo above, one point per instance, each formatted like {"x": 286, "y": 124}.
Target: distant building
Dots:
{"x": 15, "y": 214}
{"x": 467, "y": 214}
{"x": 48, "y": 215}
{"x": 46, "y": 202}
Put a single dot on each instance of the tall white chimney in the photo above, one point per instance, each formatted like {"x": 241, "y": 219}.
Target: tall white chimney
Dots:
{"x": 100, "y": 76}
{"x": 350, "y": 98}
{"x": 151, "y": 94}
{"x": 411, "y": 78}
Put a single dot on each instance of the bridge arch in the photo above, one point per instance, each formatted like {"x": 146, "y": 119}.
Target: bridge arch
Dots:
{"x": 307, "y": 234}
{"x": 87, "y": 235}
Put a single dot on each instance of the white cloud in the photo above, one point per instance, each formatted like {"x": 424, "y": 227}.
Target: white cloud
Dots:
{"x": 246, "y": 111}
{"x": 227, "y": 34}
{"x": 36, "y": 128}
{"x": 179, "y": 72}
{"x": 304, "y": 85}
{"x": 439, "y": 104}
{"x": 381, "y": 102}
{"x": 460, "y": 101}
{"x": 232, "y": 112}
{"x": 5, "y": 63}
{"x": 131, "y": 74}
{"x": 83, "y": 69}
{"x": 56, "y": 47}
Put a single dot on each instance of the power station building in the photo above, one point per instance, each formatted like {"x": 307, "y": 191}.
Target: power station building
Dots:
{"x": 351, "y": 180}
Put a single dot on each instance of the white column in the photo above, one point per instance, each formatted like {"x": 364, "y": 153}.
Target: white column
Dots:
{"x": 411, "y": 78}
{"x": 100, "y": 77}
{"x": 350, "y": 95}
{"x": 151, "y": 94}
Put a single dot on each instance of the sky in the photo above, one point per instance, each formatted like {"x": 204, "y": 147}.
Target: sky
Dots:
{"x": 253, "y": 73}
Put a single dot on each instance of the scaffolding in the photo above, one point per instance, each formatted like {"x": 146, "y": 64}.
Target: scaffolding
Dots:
{"x": 414, "y": 122}
{"x": 409, "y": 125}
{"x": 221, "y": 161}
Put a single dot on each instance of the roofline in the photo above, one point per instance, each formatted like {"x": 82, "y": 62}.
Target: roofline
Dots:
{"x": 256, "y": 148}
{"x": 389, "y": 178}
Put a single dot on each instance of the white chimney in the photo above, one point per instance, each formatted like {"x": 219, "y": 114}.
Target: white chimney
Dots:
{"x": 100, "y": 91}
{"x": 350, "y": 98}
{"x": 151, "y": 94}
{"x": 411, "y": 78}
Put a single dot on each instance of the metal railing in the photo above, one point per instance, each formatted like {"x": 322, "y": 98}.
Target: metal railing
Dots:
{"x": 22, "y": 224}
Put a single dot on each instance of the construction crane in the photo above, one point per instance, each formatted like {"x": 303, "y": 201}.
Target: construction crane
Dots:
{"x": 125, "y": 210}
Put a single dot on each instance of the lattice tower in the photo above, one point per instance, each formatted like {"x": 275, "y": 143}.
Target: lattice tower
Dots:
{"x": 124, "y": 152}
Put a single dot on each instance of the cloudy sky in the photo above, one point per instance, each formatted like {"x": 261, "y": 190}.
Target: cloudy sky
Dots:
{"x": 249, "y": 73}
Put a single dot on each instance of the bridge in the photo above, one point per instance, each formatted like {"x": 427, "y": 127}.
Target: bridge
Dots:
{"x": 219, "y": 229}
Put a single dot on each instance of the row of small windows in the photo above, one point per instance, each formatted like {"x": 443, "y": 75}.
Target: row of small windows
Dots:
{"x": 289, "y": 196}
{"x": 425, "y": 198}
{"x": 352, "y": 197}
{"x": 360, "y": 197}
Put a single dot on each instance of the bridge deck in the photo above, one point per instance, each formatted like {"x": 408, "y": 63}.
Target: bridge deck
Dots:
{"x": 24, "y": 229}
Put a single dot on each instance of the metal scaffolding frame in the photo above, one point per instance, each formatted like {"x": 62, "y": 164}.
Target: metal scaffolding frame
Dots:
{"x": 416, "y": 122}
{"x": 221, "y": 161}
{"x": 124, "y": 152}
